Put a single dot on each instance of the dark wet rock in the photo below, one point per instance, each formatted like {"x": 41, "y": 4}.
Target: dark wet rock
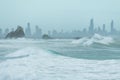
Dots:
{"x": 45, "y": 36}
{"x": 18, "y": 33}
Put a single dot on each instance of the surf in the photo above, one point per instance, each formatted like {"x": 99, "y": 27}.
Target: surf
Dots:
{"x": 95, "y": 39}
{"x": 43, "y": 65}
{"x": 38, "y": 61}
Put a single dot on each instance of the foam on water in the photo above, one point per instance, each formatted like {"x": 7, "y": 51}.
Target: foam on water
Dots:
{"x": 95, "y": 39}
{"x": 44, "y": 65}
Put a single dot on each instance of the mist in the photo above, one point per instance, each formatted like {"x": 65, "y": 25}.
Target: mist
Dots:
{"x": 59, "y": 14}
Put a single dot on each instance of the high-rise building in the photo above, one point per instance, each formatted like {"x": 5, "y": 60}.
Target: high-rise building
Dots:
{"x": 113, "y": 30}
{"x": 112, "y": 26}
{"x": 38, "y": 32}
{"x": 54, "y": 33}
{"x": 104, "y": 32}
{"x": 28, "y": 31}
{"x": 104, "y": 28}
{"x": 99, "y": 30}
{"x": 91, "y": 27}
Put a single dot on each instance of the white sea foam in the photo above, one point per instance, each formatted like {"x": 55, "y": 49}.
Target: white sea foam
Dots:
{"x": 95, "y": 39}
{"x": 44, "y": 65}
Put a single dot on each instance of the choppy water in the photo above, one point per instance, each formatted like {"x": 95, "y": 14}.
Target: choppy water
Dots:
{"x": 96, "y": 58}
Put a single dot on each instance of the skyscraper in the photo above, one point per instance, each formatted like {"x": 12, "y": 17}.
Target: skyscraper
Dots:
{"x": 28, "y": 31}
{"x": 104, "y": 32}
{"x": 91, "y": 27}
{"x": 104, "y": 28}
{"x": 38, "y": 32}
{"x": 99, "y": 29}
{"x": 112, "y": 26}
{"x": 113, "y": 30}
{"x": 54, "y": 33}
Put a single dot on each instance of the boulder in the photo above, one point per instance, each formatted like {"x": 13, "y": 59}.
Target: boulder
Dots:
{"x": 45, "y": 36}
{"x": 18, "y": 33}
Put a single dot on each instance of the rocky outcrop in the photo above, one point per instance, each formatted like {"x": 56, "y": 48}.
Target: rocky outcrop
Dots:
{"x": 18, "y": 33}
{"x": 45, "y": 36}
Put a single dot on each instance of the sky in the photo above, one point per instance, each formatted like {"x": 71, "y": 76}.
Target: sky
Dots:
{"x": 59, "y": 14}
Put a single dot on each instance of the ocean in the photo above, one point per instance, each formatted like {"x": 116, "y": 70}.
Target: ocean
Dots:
{"x": 88, "y": 58}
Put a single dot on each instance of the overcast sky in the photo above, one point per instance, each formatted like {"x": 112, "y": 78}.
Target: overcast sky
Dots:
{"x": 59, "y": 14}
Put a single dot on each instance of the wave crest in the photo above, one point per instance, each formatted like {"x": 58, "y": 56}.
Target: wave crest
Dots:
{"x": 94, "y": 39}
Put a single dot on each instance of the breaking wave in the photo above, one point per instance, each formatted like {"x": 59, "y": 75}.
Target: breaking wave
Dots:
{"x": 42, "y": 60}
{"x": 40, "y": 64}
{"x": 96, "y": 39}
{"x": 26, "y": 64}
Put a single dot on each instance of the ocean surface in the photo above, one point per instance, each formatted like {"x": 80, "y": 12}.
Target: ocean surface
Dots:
{"x": 88, "y": 58}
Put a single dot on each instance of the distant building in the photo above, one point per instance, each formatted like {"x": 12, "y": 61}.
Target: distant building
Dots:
{"x": 104, "y": 30}
{"x": 112, "y": 26}
{"x": 28, "y": 33}
{"x": 113, "y": 32}
{"x": 91, "y": 27}
{"x": 99, "y": 31}
{"x": 38, "y": 32}
{"x": 54, "y": 33}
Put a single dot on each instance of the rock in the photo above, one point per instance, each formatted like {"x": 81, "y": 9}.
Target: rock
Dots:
{"x": 18, "y": 33}
{"x": 45, "y": 36}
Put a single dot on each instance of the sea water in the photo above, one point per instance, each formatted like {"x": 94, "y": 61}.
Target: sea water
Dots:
{"x": 89, "y": 58}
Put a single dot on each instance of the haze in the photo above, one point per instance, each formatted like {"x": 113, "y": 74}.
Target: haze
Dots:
{"x": 59, "y": 14}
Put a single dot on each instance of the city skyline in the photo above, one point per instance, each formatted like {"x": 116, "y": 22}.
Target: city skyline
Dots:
{"x": 60, "y": 27}
{"x": 59, "y": 14}
{"x": 89, "y": 31}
